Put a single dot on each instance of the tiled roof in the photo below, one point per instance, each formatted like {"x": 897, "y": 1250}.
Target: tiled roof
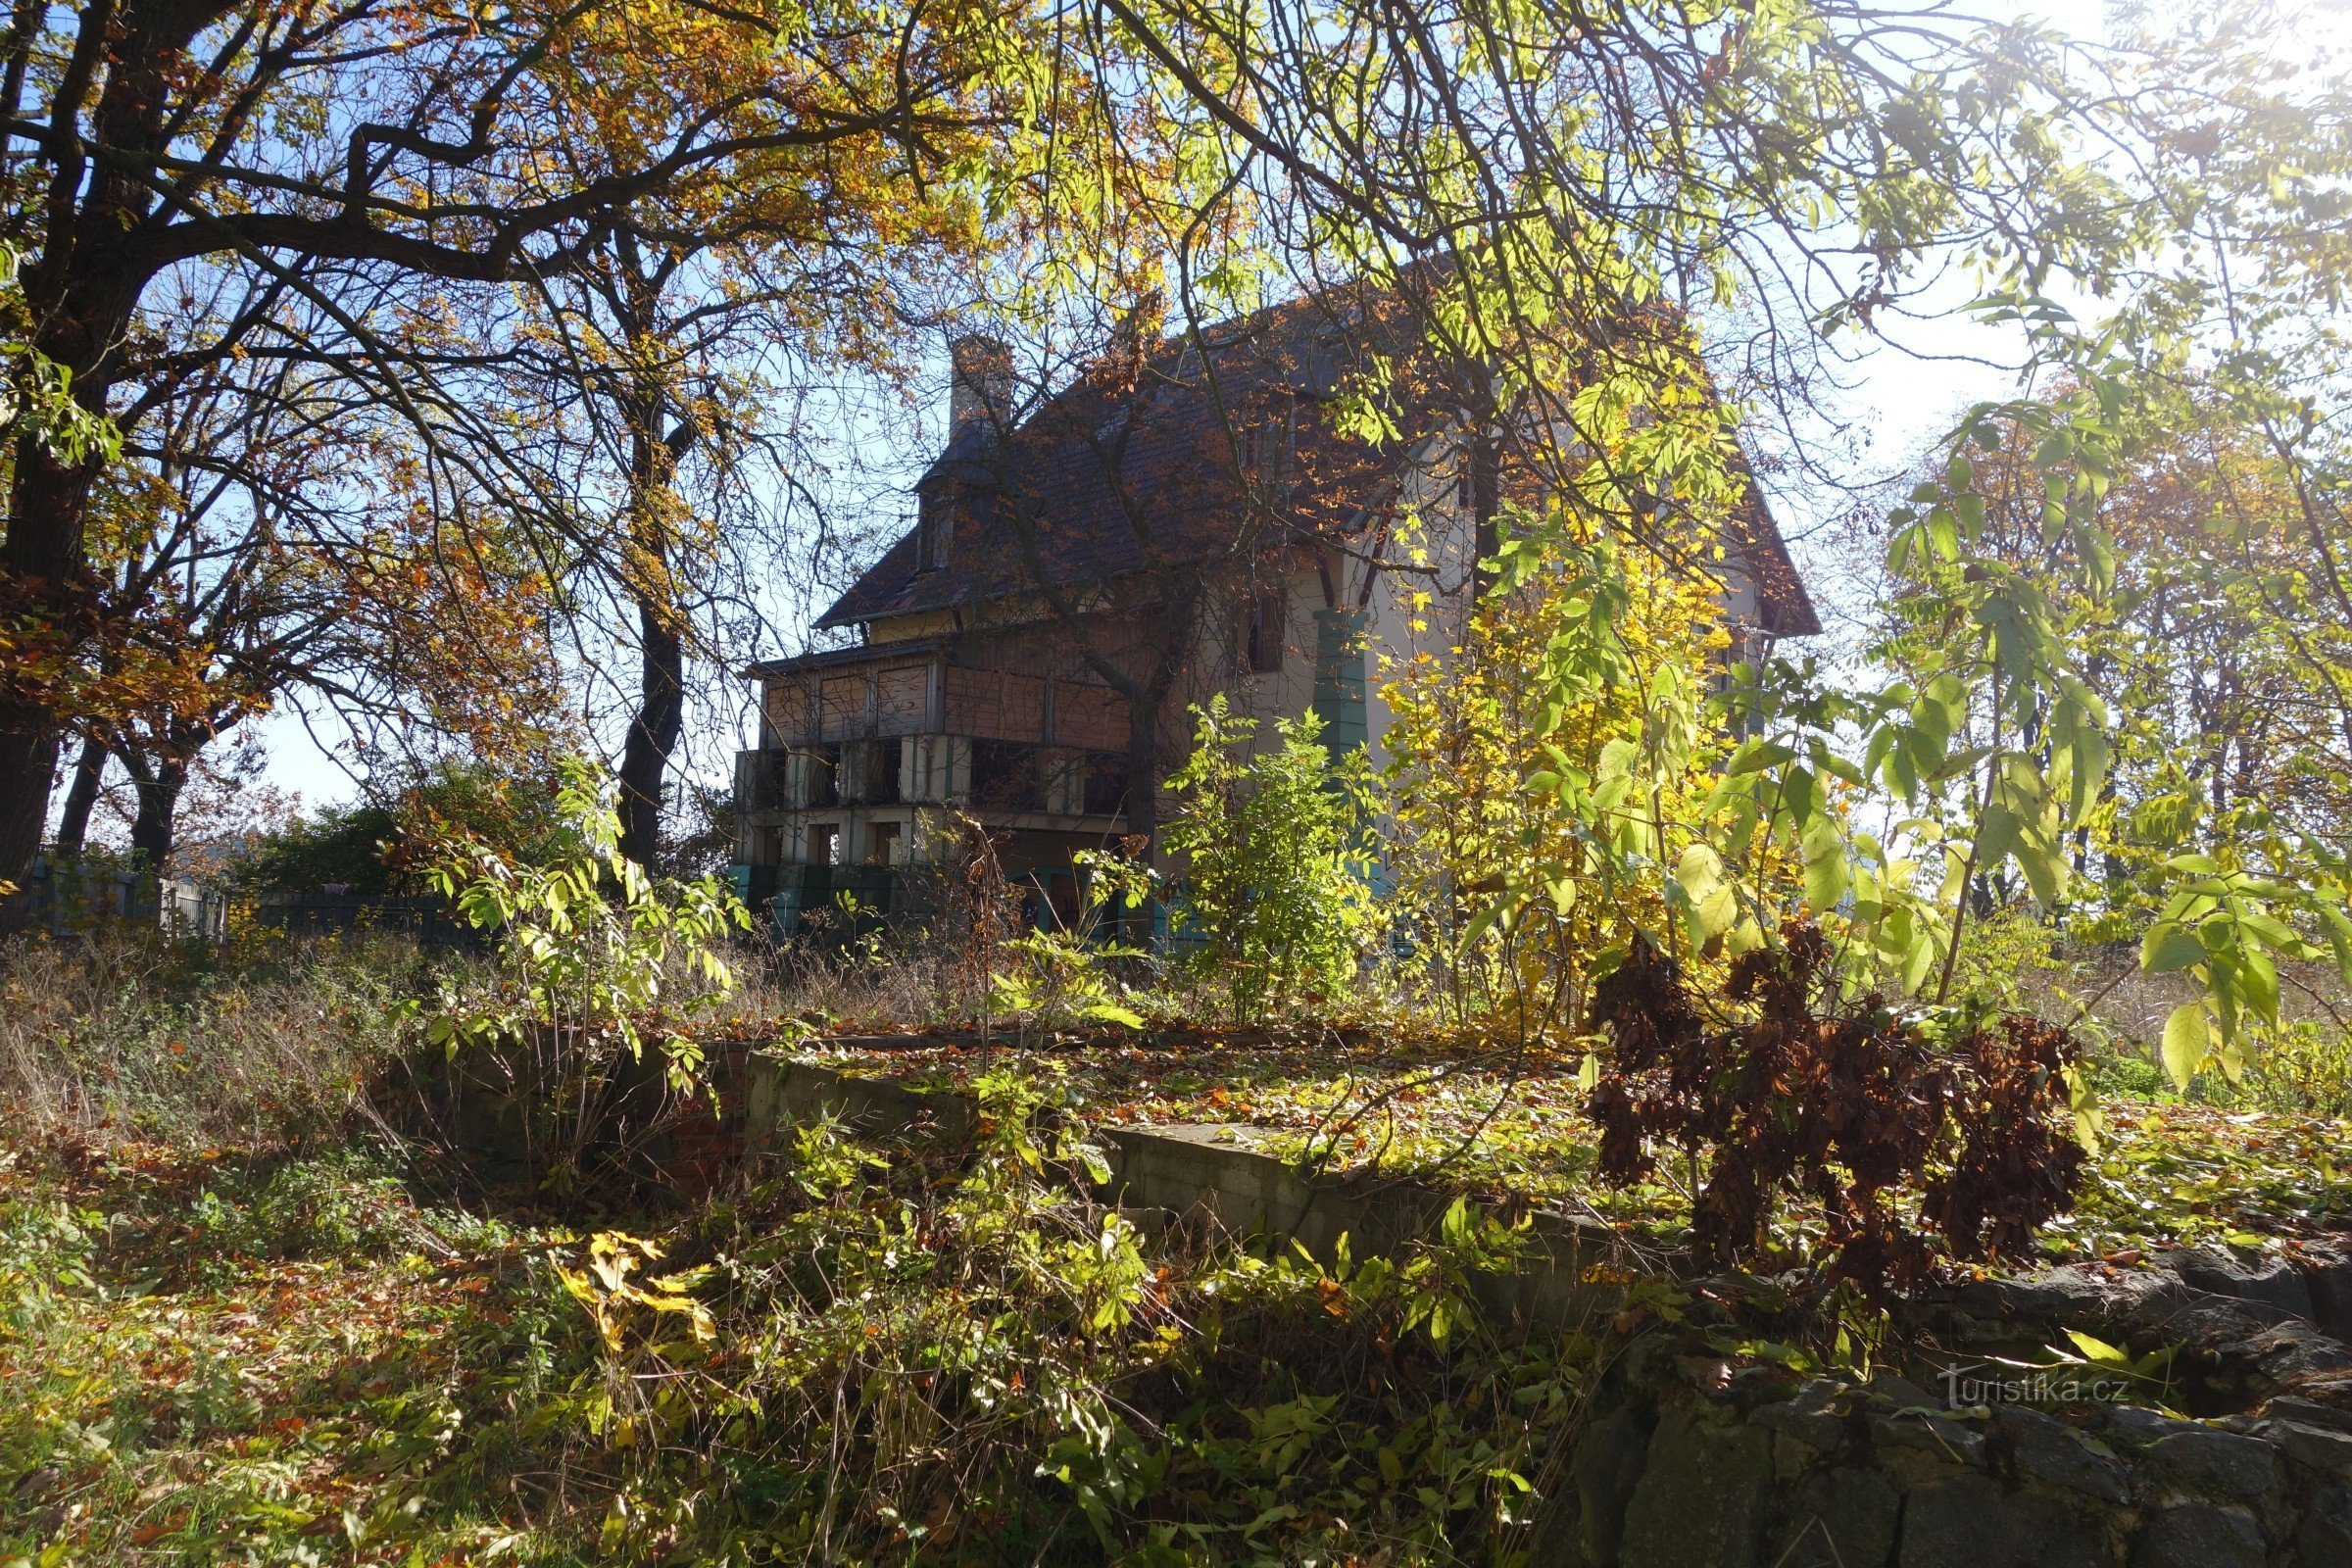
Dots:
{"x": 1132, "y": 469}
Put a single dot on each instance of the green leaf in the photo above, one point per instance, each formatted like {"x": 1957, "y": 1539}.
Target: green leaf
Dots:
{"x": 2339, "y": 937}
{"x": 1874, "y": 752}
{"x": 1717, "y": 911}
{"x": 1826, "y": 870}
{"x": 2097, "y": 551}
{"x": 1800, "y": 795}
{"x": 1918, "y": 963}
{"x": 2261, "y": 978}
{"x": 2046, "y": 872}
{"x": 1944, "y": 536}
{"x": 1487, "y": 918}
{"x": 2170, "y": 946}
{"x": 2184, "y": 1043}
{"x": 2273, "y": 932}
{"x": 2089, "y": 769}
{"x": 1699, "y": 871}
{"x": 1757, "y": 756}
{"x": 1996, "y": 836}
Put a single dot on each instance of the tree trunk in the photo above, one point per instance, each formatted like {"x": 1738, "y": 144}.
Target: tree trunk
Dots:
{"x": 653, "y": 733}
{"x": 41, "y": 567}
{"x": 28, "y": 759}
{"x": 158, "y": 785}
{"x": 1143, "y": 774}
{"x": 81, "y": 795}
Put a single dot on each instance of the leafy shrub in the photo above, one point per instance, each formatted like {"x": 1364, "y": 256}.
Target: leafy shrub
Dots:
{"x": 334, "y": 1204}
{"x": 1061, "y": 981}
{"x": 1276, "y": 870}
{"x": 1514, "y": 760}
{"x": 1843, "y": 1103}
{"x": 929, "y": 1354}
{"x": 2305, "y": 1068}
{"x": 594, "y": 963}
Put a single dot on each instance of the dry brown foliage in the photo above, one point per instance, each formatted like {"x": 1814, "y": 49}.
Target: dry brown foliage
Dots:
{"x": 1787, "y": 1090}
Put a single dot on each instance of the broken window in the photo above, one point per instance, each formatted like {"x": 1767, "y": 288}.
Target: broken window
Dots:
{"x": 1106, "y": 784}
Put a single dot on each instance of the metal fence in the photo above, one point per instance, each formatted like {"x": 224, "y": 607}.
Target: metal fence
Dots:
{"x": 427, "y": 918}
{"x": 73, "y": 897}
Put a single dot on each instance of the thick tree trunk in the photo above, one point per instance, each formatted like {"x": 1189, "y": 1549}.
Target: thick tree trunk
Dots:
{"x": 653, "y": 734}
{"x": 28, "y": 759}
{"x": 41, "y": 568}
{"x": 159, "y": 785}
{"x": 1143, "y": 774}
{"x": 81, "y": 797}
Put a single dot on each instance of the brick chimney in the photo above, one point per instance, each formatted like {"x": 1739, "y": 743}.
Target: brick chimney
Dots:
{"x": 981, "y": 393}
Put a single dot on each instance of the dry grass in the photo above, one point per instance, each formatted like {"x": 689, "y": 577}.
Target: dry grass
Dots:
{"x": 127, "y": 1038}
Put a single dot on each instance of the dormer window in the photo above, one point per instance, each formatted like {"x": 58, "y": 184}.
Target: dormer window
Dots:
{"x": 1261, "y": 443}
{"x": 934, "y": 533}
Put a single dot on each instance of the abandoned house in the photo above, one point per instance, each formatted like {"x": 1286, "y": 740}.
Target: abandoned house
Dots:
{"x": 1181, "y": 520}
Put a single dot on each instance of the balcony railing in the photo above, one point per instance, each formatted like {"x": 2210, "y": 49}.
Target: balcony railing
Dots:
{"x": 990, "y": 775}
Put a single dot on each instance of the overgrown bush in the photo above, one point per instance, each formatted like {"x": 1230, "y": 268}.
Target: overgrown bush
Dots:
{"x": 1273, "y": 853}
{"x": 1794, "y": 1092}
{"x": 1508, "y": 887}
{"x": 923, "y": 1353}
{"x": 379, "y": 846}
{"x": 594, "y": 963}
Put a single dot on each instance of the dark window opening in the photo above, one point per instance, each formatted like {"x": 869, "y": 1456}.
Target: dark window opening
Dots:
{"x": 1060, "y": 906}
{"x": 934, "y": 533}
{"x": 1005, "y": 776}
{"x": 1268, "y": 614}
{"x": 1105, "y": 785}
{"x": 760, "y": 780}
{"x": 980, "y": 507}
{"x": 824, "y": 838}
{"x": 882, "y": 843}
{"x": 875, "y": 775}
{"x": 822, "y": 783}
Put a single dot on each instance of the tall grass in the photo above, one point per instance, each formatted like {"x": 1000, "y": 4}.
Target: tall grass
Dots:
{"x": 124, "y": 1036}
{"x": 129, "y": 1037}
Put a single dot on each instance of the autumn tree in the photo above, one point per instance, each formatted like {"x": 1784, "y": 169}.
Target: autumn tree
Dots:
{"x": 389, "y": 143}
{"x": 650, "y": 391}
{"x": 260, "y": 541}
